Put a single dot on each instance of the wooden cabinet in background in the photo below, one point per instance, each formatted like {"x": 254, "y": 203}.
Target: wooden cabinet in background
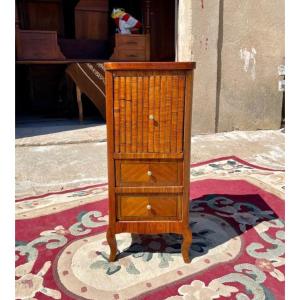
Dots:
{"x": 148, "y": 113}
{"x": 42, "y": 15}
{"x": 91, "y": 19}
{"x": 162, "y": 28}
{"x": 37, "y": 45}
{"x": 131, "y": 47}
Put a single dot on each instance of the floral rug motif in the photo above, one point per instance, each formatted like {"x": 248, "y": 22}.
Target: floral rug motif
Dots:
{"x": 237, "y": 220}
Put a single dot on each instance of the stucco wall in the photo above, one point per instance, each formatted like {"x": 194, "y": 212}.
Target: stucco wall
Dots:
{"x": 197, "y": 41}
{"x": 252, "y": 50}
{"x": 238, "y": 46}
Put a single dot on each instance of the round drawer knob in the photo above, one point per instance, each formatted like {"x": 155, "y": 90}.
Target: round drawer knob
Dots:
{"x": 149, "y": 173}
{"x": 149, "y": 207}
{"x": 151, "y": 117}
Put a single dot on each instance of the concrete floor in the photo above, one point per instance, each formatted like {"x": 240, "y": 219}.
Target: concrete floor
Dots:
{"x": 59, "y": 156}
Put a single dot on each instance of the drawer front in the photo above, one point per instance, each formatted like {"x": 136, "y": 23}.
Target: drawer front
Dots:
{"x": 149, "y": 207}
{"x": 148, "y": 113}
{"x": 130, "y": 41}
{"x": 130, "y": 54}
{"x": 131, "y": 173}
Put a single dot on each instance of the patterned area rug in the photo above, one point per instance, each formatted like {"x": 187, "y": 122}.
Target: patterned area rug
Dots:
{"x": 237, "y": 219}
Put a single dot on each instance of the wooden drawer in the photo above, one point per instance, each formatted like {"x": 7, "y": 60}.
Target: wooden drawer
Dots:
{"x": 148, "y": 173}
{"x": 130, "y": 54}
{"x": 149, "y": 207}
{"x": 132, "y": 41}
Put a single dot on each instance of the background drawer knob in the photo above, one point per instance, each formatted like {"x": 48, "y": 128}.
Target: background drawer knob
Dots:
{"x": 149, "y": 173}
{"x": 149, "y": 207}
{"x": 151, "y": 117}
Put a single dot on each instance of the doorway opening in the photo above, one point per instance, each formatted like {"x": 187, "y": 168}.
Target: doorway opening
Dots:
{"x": 43, "y": 91}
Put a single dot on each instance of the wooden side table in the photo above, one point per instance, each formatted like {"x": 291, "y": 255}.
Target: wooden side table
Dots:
{"x": 148, "y": 113}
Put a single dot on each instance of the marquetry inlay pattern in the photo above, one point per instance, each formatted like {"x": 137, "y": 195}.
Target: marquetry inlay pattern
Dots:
{"x": 148, "y": 112}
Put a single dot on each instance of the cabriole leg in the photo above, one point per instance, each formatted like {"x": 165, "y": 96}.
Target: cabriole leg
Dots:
{"x": 185, "y": 247}
{"x": 111, "y": 240}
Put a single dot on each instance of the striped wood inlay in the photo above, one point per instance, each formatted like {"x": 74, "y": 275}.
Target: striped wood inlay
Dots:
{"x": 136, "y": 99}
{"x": 122, "y": 115}
{"x": 128, "y": 122}
{"x": 117, "y": 114}
{"x": 134, "y": 114}
{"x": 140, "y": 114}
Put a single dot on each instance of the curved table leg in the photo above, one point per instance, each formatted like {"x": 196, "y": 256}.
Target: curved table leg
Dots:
{"x": 185, "y": 247}
{"x": 111, "y": 240}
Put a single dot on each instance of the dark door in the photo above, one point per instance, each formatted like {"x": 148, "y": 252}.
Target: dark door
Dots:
{"x": 162, "y": 28}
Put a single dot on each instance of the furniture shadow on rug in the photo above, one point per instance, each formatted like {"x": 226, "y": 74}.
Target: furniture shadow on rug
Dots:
{"x": 216, "y": 220}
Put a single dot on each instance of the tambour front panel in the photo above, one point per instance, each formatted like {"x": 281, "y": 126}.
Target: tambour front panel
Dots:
{"x": 148, "y": 113}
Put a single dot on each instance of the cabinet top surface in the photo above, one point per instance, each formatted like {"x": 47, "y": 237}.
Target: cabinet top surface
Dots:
{"x": 149, "y": 66}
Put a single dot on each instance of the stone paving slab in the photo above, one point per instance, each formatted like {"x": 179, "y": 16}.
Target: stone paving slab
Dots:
{"x": 62, "y": 133}
{"x": 264, "y": 147}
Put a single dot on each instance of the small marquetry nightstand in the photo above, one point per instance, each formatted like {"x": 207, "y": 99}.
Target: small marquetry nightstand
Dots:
{"x": 148, "y": 113}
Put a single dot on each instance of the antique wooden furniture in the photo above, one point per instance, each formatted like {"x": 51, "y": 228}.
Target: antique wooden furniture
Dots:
{"x": 131, "y": 47}
{"x": 148, "y": 113}
{"x": 134, "y": 47}
{"x": 162, "y": 34}
{"x": 89, "y": 79}
{"x": 37, "y": 44}
{"x": 65, "y": 29}
{"x": 91, "y": 19}
{"x": 42, "y": 15}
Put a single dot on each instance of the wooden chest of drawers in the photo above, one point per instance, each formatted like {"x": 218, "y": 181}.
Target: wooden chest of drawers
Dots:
{"x": 148, "y": 113}
{"x": 131, "y": 47}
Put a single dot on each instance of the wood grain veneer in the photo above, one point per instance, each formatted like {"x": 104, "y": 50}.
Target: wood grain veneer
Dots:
{"x": 91, "y": 19}
{"x": 148, "y": 113}
{"x": 131, "y": 47}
